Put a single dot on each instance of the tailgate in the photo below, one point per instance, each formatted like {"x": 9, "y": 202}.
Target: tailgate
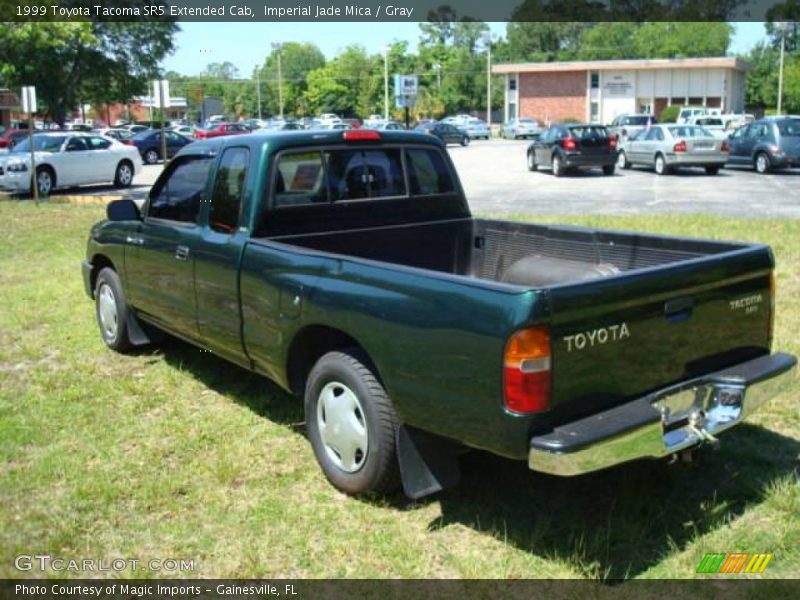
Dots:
{"x": 618, "y": 338}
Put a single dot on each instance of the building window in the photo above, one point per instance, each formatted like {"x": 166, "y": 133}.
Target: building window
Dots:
{"x": 595, "y": 79}
{"x": 512, "y": 111}
{"x": 595, "y": 112}
{"x": 512, "y": 83}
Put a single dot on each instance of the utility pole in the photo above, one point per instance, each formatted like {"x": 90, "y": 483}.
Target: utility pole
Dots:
{"x": 386, "y": 82}
{"x": 277, "y": 46}
{"x": 438, "y": 68}
{"x": 488, "y": 38}
{"x": 258, "y": 92}
{"x": 782, "y": 26}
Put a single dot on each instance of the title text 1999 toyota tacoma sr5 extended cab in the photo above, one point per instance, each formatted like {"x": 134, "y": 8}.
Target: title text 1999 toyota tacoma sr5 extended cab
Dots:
{"x": 346, "y": 267}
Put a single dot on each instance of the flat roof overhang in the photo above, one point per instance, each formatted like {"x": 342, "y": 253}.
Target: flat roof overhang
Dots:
{"x": 721, "y": 62}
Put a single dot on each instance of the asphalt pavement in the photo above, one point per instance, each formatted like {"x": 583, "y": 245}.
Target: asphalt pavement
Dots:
{"x": 496, "y": 179}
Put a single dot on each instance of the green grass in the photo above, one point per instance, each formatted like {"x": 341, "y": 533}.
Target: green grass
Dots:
{"x": 172, "y": 453}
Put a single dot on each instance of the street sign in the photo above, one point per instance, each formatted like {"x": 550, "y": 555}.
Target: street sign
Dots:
{"x": 29, "y": 99}
{"x": 160, "y": 89}
{"x": 405, "y": 90}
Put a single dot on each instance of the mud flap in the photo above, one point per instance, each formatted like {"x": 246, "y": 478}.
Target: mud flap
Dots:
{"x": 428, "y": 463}
{"x": 139, "y": 333}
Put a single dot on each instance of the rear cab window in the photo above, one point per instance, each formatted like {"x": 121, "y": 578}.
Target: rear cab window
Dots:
{"x": 338, "y": 175}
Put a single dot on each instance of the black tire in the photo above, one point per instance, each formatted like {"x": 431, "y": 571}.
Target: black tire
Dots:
{"x": 123, "y": 177}
{"x": 762, "y": 163}
{"x": 622, "y": 160}
{"x": 712, "y": 169}
{"x": 45, "y": 181}
{"x": 371, "y": 419}
{"x": 532, "y": 166}
{"x": 608, "y": 169}
{"x": 660, "y": 165}
{"x": 465, "y": 141}
{"x": 557, "y": 164}
{"x": 111, "y": 311}
{"x": 151, "y": 157}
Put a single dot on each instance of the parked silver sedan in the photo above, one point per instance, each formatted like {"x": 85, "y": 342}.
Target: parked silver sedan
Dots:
{"x": 668, "y": 147}
{"x": 522, "y": 128}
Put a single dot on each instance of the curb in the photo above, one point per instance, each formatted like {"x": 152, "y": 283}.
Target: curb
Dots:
{"x": 70, "y": 199}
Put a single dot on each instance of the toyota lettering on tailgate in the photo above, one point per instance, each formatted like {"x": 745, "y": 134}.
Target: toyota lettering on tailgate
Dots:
{"x": 597, "y": 337}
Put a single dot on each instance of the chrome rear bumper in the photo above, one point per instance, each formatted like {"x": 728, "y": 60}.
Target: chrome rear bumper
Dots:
{"x": 664, "y": 422}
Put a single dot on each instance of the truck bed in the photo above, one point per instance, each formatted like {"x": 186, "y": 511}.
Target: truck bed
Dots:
{"x": 523, "y": 254}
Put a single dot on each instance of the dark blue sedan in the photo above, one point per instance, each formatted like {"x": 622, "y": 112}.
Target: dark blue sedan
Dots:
{"x": 149, "y": 144}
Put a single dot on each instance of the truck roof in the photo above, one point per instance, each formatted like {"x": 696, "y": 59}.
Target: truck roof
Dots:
{"x": 279, "y": 140}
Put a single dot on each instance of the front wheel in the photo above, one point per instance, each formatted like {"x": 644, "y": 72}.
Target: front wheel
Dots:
{"x": 351, "y": 424}
{"x": 111, "y": 310}
{"x": 532, "y": 166}
{"x": 45, "y": 181}
{"x": 151, "y": 157}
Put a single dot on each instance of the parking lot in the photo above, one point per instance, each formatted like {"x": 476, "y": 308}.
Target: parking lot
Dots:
{"x": 496, "y": 180}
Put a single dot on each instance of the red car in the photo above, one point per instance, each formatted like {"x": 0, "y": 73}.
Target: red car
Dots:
{"x": 354, "y": 123}
{"x": 220, "y": 129}
{"x": 10, "y": 137}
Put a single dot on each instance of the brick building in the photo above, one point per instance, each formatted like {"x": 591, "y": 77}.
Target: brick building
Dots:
{"x": 600, "y": 90}
{"x": 8, "y": 102}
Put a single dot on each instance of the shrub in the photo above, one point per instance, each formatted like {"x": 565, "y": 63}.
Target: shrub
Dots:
{"x": 669, "y": 114}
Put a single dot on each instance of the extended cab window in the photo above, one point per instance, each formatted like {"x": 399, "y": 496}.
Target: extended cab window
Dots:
{"x": 427, "y": 172}
{"x": 228, "y": 189}
{"x": 299, "y": 179}
{"x": 178, "y": 196}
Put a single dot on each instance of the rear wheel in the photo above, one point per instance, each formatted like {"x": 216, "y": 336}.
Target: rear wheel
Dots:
{"x": 608, "y": 170}
{"x": 532, "y": 166}
{"x": 351, "y": 424}
{"x": 762, "y": 163}
{"x": 465, "y": 141}
{"x": 661, "y": 165}
{"x": 124, "y": 175}
{"x": 558, "y": 166}
{"x": 712, "y": 169}
{"x": 622, "y": 160}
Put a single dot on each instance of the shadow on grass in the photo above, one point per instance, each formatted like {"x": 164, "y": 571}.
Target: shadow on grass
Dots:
{"x": 617, "y": 523}
{"x": 256, "y": 392}
{"x": 613, "y": 524}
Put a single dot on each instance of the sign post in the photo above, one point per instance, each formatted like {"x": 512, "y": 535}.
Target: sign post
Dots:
{"x": 405, "y": 93}
{"x": 161, "y": 99}
{"x": 29, "y": 106}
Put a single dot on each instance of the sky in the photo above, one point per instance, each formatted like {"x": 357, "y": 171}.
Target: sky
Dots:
{"x": 246, "y": 44}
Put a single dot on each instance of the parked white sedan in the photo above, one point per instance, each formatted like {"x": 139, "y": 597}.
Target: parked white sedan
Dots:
{"x": 67, "y": 159}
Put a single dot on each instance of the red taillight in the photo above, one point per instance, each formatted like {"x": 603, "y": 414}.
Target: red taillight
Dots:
{"x": 569, "y": 144}
{"x": 361, "y": 135}
{"x": 680, "y": 146}
{"x": 127, "y": 142}
{"x": 724, "y": 147}
{"x": 612, "y": 143}
{"x": 526, "y": 371}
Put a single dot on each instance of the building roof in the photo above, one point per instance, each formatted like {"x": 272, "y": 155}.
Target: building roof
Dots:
{"x": 719, "y": 62}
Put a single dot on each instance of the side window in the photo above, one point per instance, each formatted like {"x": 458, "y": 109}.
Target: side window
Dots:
{"x": 299, "y": 179}
{"x": 178, "y": 196}
{"x": 228, "y": 190}
{"x": 76, "y": 144}
{"x": 428, "y": 173}
{"x": 96, "y": 143}
{"x": 357, "y": 174}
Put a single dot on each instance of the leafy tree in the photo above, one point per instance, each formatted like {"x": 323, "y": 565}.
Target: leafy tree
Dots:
{"x": 297, "y": 62}
{"x": 74, "y": 62}
{"x": 543, "y": 41}
{"x": 348, "y": 85}
{"x": 439, "y": 26}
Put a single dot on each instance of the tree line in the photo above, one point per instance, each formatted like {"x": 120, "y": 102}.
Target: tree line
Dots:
{"x": 106, "y": 62}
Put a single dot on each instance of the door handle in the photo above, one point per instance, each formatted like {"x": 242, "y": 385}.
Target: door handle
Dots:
{"x": 182, "y": 252}
{"x": 135, "y": 240}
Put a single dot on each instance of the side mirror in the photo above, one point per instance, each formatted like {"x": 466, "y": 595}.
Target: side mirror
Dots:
{"x": 123, "y": 210}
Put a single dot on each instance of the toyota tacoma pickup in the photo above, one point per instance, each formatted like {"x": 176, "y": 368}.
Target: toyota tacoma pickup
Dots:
{"x": 346, "y": 267}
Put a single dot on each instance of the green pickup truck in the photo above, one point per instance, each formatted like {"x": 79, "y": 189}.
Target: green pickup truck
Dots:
{"x": 346, "y": 267}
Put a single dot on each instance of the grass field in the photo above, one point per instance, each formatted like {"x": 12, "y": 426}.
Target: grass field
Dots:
{"x": 171, "y": 453}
